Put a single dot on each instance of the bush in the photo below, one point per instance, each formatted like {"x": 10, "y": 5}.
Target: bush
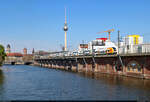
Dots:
{"x": 2, "y": 54}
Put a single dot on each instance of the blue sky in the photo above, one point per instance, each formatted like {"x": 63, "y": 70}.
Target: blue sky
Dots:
{"x": 38, "y": 23}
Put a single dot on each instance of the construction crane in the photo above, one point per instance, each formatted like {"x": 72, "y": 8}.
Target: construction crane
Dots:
{"x": 109, "y": 31}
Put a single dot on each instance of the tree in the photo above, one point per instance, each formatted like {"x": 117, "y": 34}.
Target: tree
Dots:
{"x": 2, "y": 54}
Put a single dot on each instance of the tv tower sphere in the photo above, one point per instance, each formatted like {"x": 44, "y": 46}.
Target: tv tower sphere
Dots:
{"x": 65, "y": 27}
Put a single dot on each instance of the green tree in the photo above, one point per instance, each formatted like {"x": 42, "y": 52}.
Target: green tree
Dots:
{"x": 2, "y": 54}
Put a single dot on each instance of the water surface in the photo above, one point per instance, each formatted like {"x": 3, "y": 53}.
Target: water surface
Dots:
{"x": 21, "y": 82}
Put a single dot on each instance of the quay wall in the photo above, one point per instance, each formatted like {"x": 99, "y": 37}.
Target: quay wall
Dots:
{"x": 133, "y": 66}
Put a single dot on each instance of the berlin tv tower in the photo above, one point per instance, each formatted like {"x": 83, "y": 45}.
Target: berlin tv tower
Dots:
{"x": 65, "y": 29}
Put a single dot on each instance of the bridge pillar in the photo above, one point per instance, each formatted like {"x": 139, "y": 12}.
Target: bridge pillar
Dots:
{"x": 96, "y": 68}
{"x": 56, "y": 65}
{"x": 53, "y": 64}
{"x": 37, "y": 63}
{"x": 70, "y": 65}
{"x": 74, "y": 66}
{"x": 45, "y": 65}
{"x": 66, "y": 65}
{"x": 88, "y": 68}
{"x": 81, "y": 67}
{"x": 61, "y": 65}
{"x": 50, "y": 65}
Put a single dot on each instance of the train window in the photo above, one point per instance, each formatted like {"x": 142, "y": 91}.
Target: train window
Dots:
{"x": 114, "y": 48}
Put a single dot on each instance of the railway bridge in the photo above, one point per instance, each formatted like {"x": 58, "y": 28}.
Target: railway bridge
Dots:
{"x": 134, "y": 65}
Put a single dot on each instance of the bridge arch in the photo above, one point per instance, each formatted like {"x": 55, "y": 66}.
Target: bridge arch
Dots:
{"x": 134, "y": 66}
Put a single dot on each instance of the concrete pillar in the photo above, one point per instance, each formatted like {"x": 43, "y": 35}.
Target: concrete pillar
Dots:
{"x": 124, "y": 70}
{"x": 96, "y": 68}
{"x": 66, "y": 67}
{"x": 80, "y": 67}
{"x": 74, "y": 68}
{"x": 53, "y": 65}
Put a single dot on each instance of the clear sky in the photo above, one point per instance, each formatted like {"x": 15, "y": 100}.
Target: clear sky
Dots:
{"x": 38, "y": 23}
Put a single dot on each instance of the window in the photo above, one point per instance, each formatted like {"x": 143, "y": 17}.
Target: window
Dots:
{"x": 128, "y": 68}
{"x": 133, "y": 66}
{"x": 128, "y": 47}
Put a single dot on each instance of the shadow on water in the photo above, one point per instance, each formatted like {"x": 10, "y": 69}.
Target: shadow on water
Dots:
{"x": 128, "y": 82}
{"x": 1, "y": 82}
{"x": 1, "y": 77}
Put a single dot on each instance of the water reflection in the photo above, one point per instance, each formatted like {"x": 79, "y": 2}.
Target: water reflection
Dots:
{"x": 130, "y": 87}
{"x": 1, "y": 77}
{"x": 129, "y": 82}
{"x": 1, "y": 82}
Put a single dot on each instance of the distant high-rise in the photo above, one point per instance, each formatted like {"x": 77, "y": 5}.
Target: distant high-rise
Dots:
{"x": 33, "y": 51}
{"x": 25, "y": 51}
{"x": 8, "y": 49}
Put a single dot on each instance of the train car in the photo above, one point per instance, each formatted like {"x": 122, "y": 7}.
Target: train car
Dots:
{"x": 111, "y": 50}
{"x": 102, "y": 46}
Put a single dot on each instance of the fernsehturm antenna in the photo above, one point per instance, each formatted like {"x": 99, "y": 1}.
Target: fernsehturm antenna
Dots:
{"x": 65, "y": 29}
{"x": 65, "y": 17}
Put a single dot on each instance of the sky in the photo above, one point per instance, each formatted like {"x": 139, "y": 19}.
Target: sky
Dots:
{"x": 39, "y": 24}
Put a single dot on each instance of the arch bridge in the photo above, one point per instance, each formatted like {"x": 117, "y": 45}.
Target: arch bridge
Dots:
{"x": 134, "y": 65}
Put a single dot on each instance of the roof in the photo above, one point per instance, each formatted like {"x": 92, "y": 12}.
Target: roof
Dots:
{"x": 133, "y": 35}
{"x": 14, "y": 54}
{"x": 8, "y": 46}
{"x": 27, "y": 54}
{"x": 25, "y": 49}
{"x": 83, "y": 45}
{"x": 104, "y": 39}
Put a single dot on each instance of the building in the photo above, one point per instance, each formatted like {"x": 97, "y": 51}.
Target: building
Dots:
{"x": 132, "y": 44}
{"x": 82, "y": 47}
{"x": 8, "y": 50}
{"x": 25, "y": 51}
{"x": 133, "y": 39}
{"x": 33, "y": 51}
{"x": 13, "y": 57}
{"x": 17, "y": 58}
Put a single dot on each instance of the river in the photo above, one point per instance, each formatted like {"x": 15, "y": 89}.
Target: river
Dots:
{"x": 22, "y": 82}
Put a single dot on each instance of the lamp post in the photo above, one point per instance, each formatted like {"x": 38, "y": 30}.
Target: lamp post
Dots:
{"x": 118, "y": 41}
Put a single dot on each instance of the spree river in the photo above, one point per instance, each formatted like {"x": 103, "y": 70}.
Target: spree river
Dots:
{"x": 22, "y": 82}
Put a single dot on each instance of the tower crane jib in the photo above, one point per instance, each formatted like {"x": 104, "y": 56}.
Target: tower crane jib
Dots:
{"x": 109, "y": 31}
